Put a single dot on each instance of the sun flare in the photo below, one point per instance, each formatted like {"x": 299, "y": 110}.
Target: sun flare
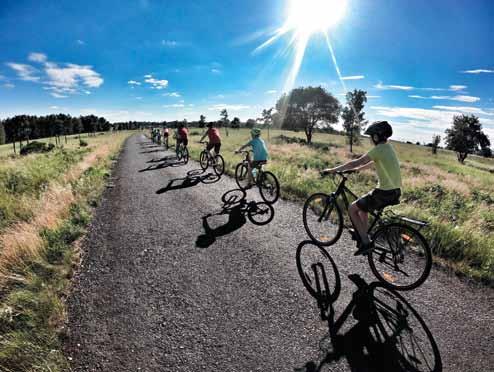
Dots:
{"x": 311, "y": 16}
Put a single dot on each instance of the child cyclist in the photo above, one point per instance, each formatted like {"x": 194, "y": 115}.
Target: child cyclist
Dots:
{"x": 388, "y": 190}
{"x": 260, "y": 152}
{"x": 182, "y": 135}
{"x": 213, "y": 137}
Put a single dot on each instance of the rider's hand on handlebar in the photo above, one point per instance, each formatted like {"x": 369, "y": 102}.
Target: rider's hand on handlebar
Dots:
{"x": 325, "y": 172}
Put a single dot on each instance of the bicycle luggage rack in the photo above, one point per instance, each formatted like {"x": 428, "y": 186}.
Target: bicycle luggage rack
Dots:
{"x": 412, "y": 221}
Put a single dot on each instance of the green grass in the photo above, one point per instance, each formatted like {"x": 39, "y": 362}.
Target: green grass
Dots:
{"x": 456, "y": 198}
{"x": 32, "y": 310}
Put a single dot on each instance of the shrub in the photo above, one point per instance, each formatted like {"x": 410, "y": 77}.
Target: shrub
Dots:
{"x": 36, "y": 147}
{"x": 82, "y": 143}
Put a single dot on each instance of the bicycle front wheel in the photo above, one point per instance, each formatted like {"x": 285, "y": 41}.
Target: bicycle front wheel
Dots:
{"x": 219, "y": 165}
{"x": 269, "y": 188}
{"x": 242, "y": 175}
{"x": 323, "y": 220}
{"x": 401, "y": 259}
{"x": 179, "y": 153}
{"x": 185, "y": 155}
{"x": 203, "y": 160}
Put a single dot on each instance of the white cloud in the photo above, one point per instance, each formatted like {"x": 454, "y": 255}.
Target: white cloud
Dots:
{"x": 25, "y": 72}
{"x": 139, "y": 98}
{"x": 216, "y": 71}
{"x": 37, "y": 57}
{"x": 455, "y": 88}
{"x": 54, "y": 107}
{"x": 176, "y": 105}
{"x": 478, "y": 71}
{"x": 80, "y": 42}
{"x": 172, "y": 94}
{"x": 170, "y": 43}
{"x": 133, "y": 82}
{"x": 70, "y": 78}
{"x": 57, "y": 95}
{"x": 8, "y": 85}
{"x": 465, "y": 109}
{"x": 148, "y": 76}
{"x": 354, "y": 77}
{"x": 460, "y": 98}
{"x": 392, "y": 87}
{"x": 370, "y": 97}
{"x": 228, "y": 107}
{"x": 271, "y": 91}
{"x": 155, "y": 83}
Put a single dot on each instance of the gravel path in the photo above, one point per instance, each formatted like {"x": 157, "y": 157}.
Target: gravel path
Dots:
{"x": 162, "y": 287}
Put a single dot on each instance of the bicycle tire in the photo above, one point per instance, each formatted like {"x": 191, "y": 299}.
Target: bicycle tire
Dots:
{"x": 241, "y": 175}
{"x": 203, "y": 160}
{"x": 260, "y": 209}
{"x": 219, "y": 166}
{"x": 320, "y": 235}
{"x": 306, "y": 277}
{"x": 274, "y": 188}
{"x": 179, "y": 154}
{"x": 389, "y": 275}
{"x": 185, "y": 155}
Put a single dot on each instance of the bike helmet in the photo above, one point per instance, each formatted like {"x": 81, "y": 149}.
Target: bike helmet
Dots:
{"x": 380, "y": 128}
{"x": 255, "y": 132}
{"x": 210, "y": 124}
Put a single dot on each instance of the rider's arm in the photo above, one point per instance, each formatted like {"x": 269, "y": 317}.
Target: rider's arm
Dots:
{"x": 203, "y": 136}
{"x": 365, "y": 166}
{"x": 351, "y": 165}
{"x": 243, "y": 147}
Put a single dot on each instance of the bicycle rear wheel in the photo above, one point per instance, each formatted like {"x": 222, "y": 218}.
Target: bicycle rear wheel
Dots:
{"x": 242, "y": 175}
{"x": 323, "y": 220}
{"x": 179, "y": 153}
{"x": 185, "y": 155}
{"x": 219, "y": 165}
{"x": 203, "y": 160}
{"x": 401, "y": 259}
{"x": 269, "y": 188}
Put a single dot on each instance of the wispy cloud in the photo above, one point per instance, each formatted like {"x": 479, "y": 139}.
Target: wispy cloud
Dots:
{"x": 80, "y": 42}
{"x": 354, "y": 77}
{"x": 381, "y": 86}
{"x": 216, "y": 71}
{"x": 138, "y": 98}
{"x": 455, "y": 88}
{"x": 37, "y": 57}
{"x": 465, "y": 109}
{"x": 175, "y": 105}
{"x": 8, "y": 85}
{"x": 155, "y": 83}
{"x": 133, "y": 82}
{"x": 170, "y": 43}
{"x": 24, "y": 72}
{"x": 458, "y": 98}
{"x": 57, "y": 95}
{"x": 71, "y": 77}
{"x": 172, "y": 94}
{"x": 478, "y": 71}
{"x": 271, "y": 91}
{"x": 228, "y": 107}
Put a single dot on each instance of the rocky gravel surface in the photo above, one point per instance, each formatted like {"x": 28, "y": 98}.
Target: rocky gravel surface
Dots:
{"x": 171, "y": 281}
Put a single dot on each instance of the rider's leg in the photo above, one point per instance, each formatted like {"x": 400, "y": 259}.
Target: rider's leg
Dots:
{"x": 360, "y": 221}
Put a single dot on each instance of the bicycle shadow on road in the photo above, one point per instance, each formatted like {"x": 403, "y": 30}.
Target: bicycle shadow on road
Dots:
{"x": 384, "y": 333}
{"x": 168, "y": 162}
{"x": 193, "y": 178}
{"x": 236, "y": 207}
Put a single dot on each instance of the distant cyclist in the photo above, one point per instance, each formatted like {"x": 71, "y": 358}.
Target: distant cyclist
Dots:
{"x": 260, "y": 151}
{"x": 182, "y": 135}
{"x": 388, "y": 190}
{"x": 213, "y": 137}
{"x": 166, "y": 134}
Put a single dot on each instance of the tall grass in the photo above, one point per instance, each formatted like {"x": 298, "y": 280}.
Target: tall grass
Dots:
{"x": 457, "y": 199}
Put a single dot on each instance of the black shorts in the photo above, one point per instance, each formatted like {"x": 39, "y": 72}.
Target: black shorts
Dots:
{"x": 185, "y": 141}
{"x": 216, "y": 146}
{"x": 378, "y": 199}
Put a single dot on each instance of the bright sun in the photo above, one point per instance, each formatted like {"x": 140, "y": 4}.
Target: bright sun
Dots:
{"x": 310, "y": 16}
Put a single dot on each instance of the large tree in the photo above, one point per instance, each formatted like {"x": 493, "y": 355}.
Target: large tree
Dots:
{"x": 308, "y": 107}
{"x": 466, "y": 136}
{"x": 267, "y": 118}
{"x": 353, "y": 115}
{"x": 2, "y": 134}
{"x": 236, "y": 123}
{"x": 224, "y": 119}
{"x": 202, "y": 121}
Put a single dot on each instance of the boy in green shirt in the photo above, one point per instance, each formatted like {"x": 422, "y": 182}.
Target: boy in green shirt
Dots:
{"x": 388, "y": 190}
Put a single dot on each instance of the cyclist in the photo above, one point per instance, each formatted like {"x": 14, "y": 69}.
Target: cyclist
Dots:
{"x": 388, "y": 190}
{"x": 260, "y": 152}
{"x": 166, "y": 133}
{"x": 214, "y": 138}
{"x": 182, "y": 135}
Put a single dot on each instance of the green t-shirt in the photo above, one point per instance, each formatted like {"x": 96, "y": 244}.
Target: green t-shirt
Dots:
{"x": 387, "y": 166}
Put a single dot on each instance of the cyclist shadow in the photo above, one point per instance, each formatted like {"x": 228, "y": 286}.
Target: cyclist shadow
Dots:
{"x": 236, "y": 207}
{"x": 193, "y": 178}
{"x": 163, "y": 165}
{"x": 385, "y": 334}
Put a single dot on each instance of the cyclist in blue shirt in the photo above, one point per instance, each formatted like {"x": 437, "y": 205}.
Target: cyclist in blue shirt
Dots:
{"x": 259, "y": 149}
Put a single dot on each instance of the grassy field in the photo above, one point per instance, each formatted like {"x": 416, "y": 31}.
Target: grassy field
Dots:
{"x": 457, "y": 199}
{"x": 45, "y": 204}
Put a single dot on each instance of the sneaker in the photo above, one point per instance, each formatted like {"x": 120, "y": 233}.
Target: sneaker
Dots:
{"x": 354, "y": 234}
{"x": 364, "y": 249}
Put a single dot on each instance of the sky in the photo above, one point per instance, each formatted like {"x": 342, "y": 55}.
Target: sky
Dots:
{"x": 421, "y": 62}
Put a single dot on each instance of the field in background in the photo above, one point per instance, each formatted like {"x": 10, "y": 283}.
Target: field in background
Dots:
{"x": 457, "y": 199}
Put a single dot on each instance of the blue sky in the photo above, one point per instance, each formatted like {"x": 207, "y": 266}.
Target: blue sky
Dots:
{"x": 421, "y": 62}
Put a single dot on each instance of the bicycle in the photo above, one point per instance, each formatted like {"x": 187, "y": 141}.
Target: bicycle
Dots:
{"x": 268, "y": 185}
{"x": 401, "y": 257}
{"x": 206, "y": 159}
{"x": 182, "y": 153}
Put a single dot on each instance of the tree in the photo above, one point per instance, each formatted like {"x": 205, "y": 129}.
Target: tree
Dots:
{"x": 306, "y": 108}
{"x": 267, "y": 118}
{"x": 236, "y": 123}
{"x": 466, "y": 136}
{"x": 224, "y": 120}
{"x": 353, "y": 116}
{"x": 436, "y": 140}
{"x": 2, "y": 134}
{"x": 202, "y": 121}
{"x": 250, "y": 123}
{"x": 77, "y": 126}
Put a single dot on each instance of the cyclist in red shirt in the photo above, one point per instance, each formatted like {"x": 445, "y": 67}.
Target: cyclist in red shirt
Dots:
{"x": 214, "y": 138}
{"x": 182, "y": 135}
